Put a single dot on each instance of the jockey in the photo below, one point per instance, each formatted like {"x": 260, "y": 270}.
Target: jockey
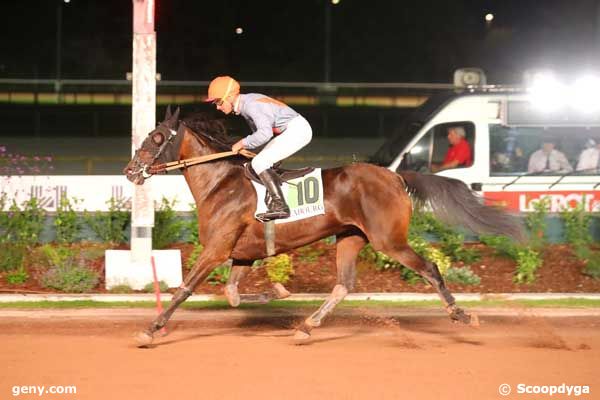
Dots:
{"x": 271, "y": 121}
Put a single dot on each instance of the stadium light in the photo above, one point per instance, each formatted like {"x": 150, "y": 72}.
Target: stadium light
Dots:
{"x": 584, "y": 94}
{"x": 547, "y": 93}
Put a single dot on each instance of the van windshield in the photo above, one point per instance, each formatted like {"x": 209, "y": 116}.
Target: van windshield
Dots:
{"x": 403, "y": 134}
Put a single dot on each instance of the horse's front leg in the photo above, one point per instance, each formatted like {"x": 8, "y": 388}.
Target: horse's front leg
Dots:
{"x": 207, "y": 261}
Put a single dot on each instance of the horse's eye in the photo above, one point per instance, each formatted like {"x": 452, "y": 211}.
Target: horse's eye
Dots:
{"x": 158, "y": 138}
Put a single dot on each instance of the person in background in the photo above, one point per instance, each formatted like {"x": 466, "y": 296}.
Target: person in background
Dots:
{"x": 548, "y": 159}
{"x": 273, "y": 123}
{"x": 589, "y": 159}
{"x": 459, "y": 153}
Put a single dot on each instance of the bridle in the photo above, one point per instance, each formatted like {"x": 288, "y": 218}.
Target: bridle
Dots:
{"x": 169, "y": 135}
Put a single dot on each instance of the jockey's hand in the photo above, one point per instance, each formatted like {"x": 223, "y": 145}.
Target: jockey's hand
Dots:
{"x": 239, "y": 145}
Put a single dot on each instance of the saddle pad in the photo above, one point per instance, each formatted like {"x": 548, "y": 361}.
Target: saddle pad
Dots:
{"x": 303, "y": 195}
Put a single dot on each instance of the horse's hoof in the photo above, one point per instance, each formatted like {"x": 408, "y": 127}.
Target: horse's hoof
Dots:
{"x": 232, "y": 295}
{"x": 143, "y": 338}
{"x": 280, "y": 291}
{"x": 458, "y": 315}
{"x": 301, "y": 337}
{"x": 474, "y": 320}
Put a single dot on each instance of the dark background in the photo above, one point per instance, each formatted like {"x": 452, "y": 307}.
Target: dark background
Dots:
{"x": 372, "y": 41}
{"x": 284, "y": 41}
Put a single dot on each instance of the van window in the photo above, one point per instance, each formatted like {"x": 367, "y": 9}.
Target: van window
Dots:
{"x": 429, "y": 153}
{"x": 513, "y": 149}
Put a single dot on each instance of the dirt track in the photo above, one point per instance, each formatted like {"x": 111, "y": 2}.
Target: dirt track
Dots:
{"x": 361, "y": 354}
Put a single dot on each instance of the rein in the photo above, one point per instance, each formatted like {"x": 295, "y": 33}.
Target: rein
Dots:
{"x": 188, "y": 162}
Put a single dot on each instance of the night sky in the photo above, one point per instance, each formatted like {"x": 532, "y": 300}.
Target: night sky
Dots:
{"x": 372, "y": 41}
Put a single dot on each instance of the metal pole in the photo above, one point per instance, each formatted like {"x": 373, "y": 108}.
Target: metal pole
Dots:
{"x": 58, "y": 44}
{"x": 143, "y": 117}
{"x": 327, "y": 56}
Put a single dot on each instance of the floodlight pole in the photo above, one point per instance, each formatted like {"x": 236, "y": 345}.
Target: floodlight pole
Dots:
{"x": 327, "y": 48}
{"x": 143, "y": 118}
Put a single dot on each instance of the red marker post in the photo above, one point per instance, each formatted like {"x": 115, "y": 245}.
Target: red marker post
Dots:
{"x": 159, "y": 307}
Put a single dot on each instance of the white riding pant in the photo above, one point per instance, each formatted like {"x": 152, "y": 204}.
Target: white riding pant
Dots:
{"x": 297, "y": 134}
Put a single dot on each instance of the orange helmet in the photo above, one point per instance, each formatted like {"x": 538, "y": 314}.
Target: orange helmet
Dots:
{"x": 221, "y": 87}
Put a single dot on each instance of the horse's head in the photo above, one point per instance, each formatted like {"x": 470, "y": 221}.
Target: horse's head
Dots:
{"x": 160, "y": 145}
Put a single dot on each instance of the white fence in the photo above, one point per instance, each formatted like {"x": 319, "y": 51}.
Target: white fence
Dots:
{"x": 93, "y": 191}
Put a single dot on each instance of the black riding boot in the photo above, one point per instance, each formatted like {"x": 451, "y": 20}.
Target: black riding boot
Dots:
{"x": 277, "y": 206}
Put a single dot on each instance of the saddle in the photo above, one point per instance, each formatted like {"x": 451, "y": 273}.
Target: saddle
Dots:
{"x": 284, "y": 174}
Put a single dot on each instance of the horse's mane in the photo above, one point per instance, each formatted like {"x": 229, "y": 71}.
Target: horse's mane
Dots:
{"x": 204, "y": 124}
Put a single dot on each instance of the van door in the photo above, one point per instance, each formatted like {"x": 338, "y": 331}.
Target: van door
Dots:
{"x": 430, "y": 151}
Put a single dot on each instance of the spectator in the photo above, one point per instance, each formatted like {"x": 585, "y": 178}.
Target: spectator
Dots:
{"x": 589, "y": 159}
{"x": 459, "y": 153}
{"x": 548, "y": 159}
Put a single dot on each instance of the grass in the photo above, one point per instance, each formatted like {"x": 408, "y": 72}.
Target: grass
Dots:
{"x": 222, "y": 305}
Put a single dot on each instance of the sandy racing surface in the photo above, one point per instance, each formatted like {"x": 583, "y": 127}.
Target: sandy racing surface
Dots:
{"x": 250, "y": 354}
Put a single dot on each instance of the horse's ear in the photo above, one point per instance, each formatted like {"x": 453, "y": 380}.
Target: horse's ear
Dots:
{"x": 168, "y": 114}
{"x": 176, "y": 115}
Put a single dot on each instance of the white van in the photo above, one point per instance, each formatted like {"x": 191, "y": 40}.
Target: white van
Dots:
{"x": 503, "y": 128}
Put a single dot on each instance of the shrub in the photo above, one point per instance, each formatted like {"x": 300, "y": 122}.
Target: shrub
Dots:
{"x": 502, "y": 245}
{"x": 162, "y": 286}
{"x": 121, "y": 289}
{"x": 279, "y": 268}
{"x": 410, "y": 276}
{"x": 430, "y": 253}
{"x": 329, "y": 240}
{"x": 380, "y": 260}
{"x": 536, "y": 222}
{"x": 528, "y": 261}
{"x": 168, "y": 228}
{"x": 65, "y": 274}
{"x": 309, "y": 253}
{"x": 67, "y": 223}
{"x": 452, "y": 242}
{"x": 577, "y": 224}
{"x": 219, "y": 275}
{"x": 194, "y": 256}
{"x": 17, "y": 277}
{"x": 110, "y": 226}
{"x": 192, "y": 226}
{"x": 24, "y": 225}
{"x": 13, "y": 256}
{"x": 592, "y": 267}
{"x": 591, "y": 259}
{"x": 462, "y": 275}
{"x": 3, "y": 218}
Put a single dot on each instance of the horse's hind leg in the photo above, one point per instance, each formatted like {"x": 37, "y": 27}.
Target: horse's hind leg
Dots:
{"x": 407, "y": 256}
{"x": 238, "y": 271}
{"x": 347, "y": 248}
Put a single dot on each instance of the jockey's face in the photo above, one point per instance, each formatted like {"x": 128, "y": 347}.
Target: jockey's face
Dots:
{"x": 225, "y": 105}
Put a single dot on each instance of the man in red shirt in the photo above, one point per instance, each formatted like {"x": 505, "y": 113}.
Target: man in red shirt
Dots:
{"x": 459, "y": 154}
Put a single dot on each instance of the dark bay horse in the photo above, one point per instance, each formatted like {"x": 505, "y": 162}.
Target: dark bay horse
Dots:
{"x": 363, "y": 203}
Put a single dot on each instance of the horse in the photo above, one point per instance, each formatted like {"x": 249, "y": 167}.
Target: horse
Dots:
{"x": 364, "y": 203}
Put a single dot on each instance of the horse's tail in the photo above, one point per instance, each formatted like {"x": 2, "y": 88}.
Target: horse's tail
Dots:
{"x": 454, "y": 203}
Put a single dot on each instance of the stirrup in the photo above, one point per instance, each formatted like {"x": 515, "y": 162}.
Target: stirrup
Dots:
{"x": 271, "y": 215}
